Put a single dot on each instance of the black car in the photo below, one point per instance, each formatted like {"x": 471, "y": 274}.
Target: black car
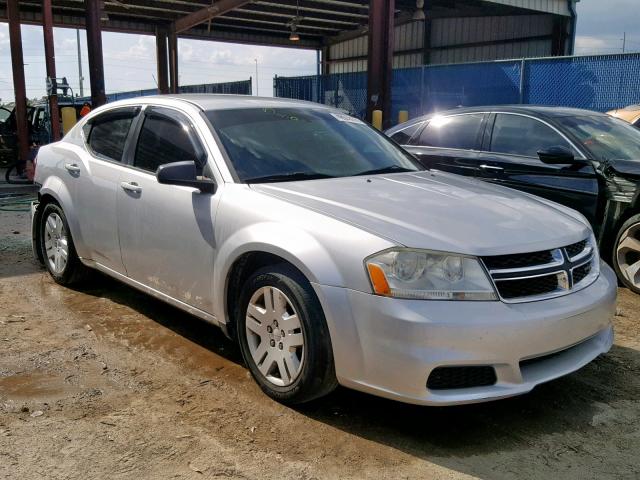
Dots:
{"x": 585, "y": 160}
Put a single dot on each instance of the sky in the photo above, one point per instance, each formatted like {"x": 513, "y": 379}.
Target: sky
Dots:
{"x": 601, "y": 24}
{"x": 129, "y": 60}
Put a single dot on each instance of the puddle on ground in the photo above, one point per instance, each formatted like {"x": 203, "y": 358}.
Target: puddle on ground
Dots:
{"x": 34, "y": 387}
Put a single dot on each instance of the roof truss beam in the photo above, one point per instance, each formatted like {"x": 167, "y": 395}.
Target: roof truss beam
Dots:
{"x": 205, "y": 14}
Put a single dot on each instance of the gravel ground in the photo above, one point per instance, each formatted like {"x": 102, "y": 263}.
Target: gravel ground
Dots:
{"x": 105, "y": 382}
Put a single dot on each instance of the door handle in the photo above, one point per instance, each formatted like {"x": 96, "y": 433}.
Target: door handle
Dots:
{"x": 491, "y": 167}
{"x": 132, "y": 187}
{"x": 72, "y": 167}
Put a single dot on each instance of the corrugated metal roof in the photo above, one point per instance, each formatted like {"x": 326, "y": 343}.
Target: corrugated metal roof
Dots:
{"x": 558, "y": 7}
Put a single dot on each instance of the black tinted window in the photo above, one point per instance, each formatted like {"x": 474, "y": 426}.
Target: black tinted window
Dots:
{"x": 403, "y": 136}
{"x": 458, "y": 131}
{"x": 108, "y": 132}
{"x": 520, "y": 135}
{"x": 163, "y": 140}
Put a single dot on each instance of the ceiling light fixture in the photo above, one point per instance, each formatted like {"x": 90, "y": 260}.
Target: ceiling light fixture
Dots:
{"x": 419, "y": 12}
{"x": 293, "y": 24}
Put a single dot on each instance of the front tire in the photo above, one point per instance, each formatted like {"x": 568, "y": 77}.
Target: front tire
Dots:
{"x": 58, "y": 250}
{"x": 284, "y": 337}
{"x": 626, "y": 254}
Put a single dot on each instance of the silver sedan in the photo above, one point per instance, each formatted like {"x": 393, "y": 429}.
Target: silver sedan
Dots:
{"x": 324, "y": 249}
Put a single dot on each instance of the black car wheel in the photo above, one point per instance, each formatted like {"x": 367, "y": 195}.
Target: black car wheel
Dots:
{"x": 284, "y": 337}
{"x": 626, "y": 254}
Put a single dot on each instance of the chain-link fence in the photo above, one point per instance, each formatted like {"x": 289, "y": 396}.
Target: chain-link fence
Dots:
{"x": 347, "y": 91}
{"x": 600, "y": 83}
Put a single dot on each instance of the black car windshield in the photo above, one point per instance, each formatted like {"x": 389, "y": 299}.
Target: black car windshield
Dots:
{"x": 283, "y": 144}
{"x": 604, "y": 137}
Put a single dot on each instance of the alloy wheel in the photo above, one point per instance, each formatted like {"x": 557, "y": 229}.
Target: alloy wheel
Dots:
{"x": 56, "y": 244}
{"x": 628, "y": 254}
{"x": 274, "y": 336}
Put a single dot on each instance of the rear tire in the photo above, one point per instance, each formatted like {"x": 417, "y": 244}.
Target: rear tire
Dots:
{"x": 284, "y": 337}
{"x": 58, "y": 250}
{"x": 626, "y": 254}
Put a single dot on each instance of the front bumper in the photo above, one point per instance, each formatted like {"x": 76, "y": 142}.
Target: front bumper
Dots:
{"x": 388, "y": 347}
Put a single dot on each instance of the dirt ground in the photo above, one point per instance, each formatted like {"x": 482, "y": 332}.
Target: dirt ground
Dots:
{"x": 105, "y": 382}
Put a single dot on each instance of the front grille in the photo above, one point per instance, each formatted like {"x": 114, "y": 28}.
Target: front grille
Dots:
{"x": 519, "y": 260}
{"x": 447, "y": 378}
{"x": 542, "y": 274}
{"x": 528, "y": 287}
{"x": 576, "y": 249}
{"x": 581, "y": 272}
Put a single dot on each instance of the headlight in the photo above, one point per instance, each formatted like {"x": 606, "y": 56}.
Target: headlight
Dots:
{"x": 422, "y": 274}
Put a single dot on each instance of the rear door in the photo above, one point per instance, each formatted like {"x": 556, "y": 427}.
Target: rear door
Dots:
{"x": 450, "y": 143}
{"x": 92, "y": 178}
{"x": 167, "y": 231}
{"x": 511, "y": 160}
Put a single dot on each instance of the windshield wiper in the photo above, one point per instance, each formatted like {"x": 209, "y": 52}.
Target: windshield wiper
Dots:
{"x": 388, "y": 169}
{"x": 287, "y": 177}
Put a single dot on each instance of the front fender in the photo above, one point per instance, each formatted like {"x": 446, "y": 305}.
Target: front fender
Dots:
{"x": 296, "y": 246}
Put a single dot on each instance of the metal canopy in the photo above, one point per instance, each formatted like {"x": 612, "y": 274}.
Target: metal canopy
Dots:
{"x": 261, "y": 22}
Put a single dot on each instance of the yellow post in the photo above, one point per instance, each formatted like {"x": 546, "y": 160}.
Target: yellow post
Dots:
{"x": 69, "y": 118}
{"x": 403, "y": 116}
{"x": 376, "y": 119}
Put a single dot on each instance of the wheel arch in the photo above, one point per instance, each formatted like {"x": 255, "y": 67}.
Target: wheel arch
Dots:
{"x": 261, "y": 245}
{"x": 55, "y": 190}
{"x": 242, "y": 268}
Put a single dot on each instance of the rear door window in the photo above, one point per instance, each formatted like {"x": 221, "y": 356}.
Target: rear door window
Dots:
{"x": 165, "y": 138}
{"x": 107, "y": 133}
{"x": 456, "y": 131}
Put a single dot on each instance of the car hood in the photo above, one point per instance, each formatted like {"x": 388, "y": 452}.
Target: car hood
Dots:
{"x": 625, "y": 167}
{"x": 439, "y": 211}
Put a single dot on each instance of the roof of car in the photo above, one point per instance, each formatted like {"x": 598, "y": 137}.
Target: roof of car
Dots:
{"x": 223, "y": 101}
{"x": 535, "y": 110}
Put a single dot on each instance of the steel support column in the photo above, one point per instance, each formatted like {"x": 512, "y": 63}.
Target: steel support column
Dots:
{"x": 161, "y": 58}
{"x": 380, "y": 58}
{"x": 50, "y": 60}
{"x": 19, "y": 87}
{"x": 173, "y": 62}
{"x": 94, "y": 47}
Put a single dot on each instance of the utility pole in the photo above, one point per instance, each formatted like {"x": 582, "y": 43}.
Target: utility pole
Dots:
{"x": 624, "y": 42}
{"x": 257, "y": 92}
{"x": 80, "y": 77}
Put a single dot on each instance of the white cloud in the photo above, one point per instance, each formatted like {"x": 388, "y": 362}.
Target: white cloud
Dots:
{"x": 142, "y": 49}
{"x": 602, "y": 44}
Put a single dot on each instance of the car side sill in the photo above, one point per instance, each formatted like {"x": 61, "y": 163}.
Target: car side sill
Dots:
{"x": 207, "y": 317}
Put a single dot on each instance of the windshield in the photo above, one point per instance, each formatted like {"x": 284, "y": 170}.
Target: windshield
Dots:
{"x": 280, "y": 144}
{"x": 606, "y": 138}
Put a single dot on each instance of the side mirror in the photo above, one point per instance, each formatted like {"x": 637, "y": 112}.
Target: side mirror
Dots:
{"x": 185, "y": 174}
{"x": 556, "y": 156}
